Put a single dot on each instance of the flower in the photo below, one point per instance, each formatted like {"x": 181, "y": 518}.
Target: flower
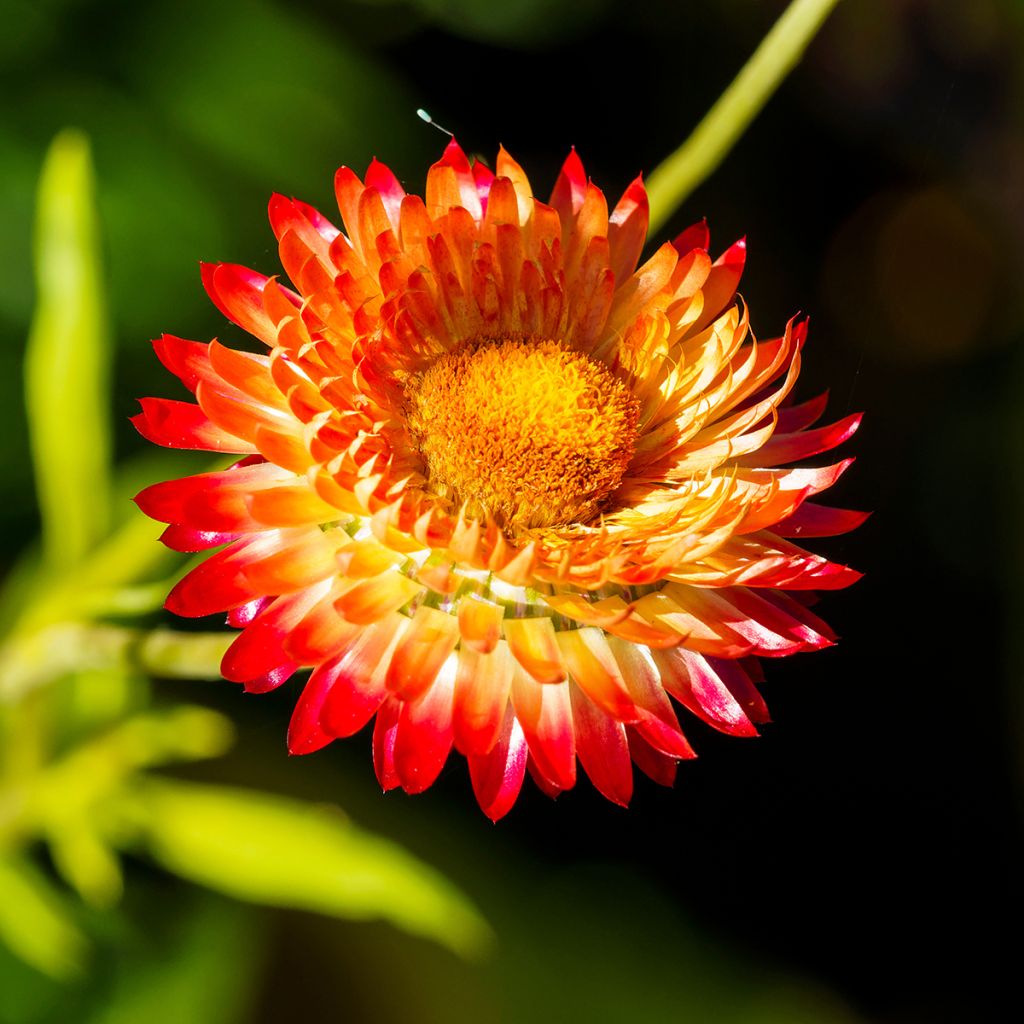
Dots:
{"x": 499, "y": 487}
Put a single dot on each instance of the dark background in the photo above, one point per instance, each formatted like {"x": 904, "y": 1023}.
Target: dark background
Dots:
{"x": 859, "y": 861}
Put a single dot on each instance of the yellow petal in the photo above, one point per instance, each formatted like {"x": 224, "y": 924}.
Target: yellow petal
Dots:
{"x": 480, "y": 623}
{"x": 535, "y": 646}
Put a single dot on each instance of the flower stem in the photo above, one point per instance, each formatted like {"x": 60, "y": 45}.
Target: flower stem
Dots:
{"x": 682, "y": 171}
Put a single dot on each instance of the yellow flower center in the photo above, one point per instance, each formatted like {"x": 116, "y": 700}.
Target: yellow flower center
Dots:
{"x": 525, "y": 429}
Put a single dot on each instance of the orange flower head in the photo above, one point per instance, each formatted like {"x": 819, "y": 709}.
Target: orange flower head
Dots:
{"x": 497, "y": 485}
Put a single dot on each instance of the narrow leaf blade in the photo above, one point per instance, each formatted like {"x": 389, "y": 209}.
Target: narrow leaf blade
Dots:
{"x": 67, "y": 361}
{"x": 34, "y": 924}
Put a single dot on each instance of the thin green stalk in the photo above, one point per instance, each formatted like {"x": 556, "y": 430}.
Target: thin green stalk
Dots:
{"x": 681, "y": 172}
{"x": 33, "y": 660}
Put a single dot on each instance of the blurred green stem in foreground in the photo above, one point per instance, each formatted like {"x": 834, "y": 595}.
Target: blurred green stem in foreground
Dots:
{"x": 680, "y": 173}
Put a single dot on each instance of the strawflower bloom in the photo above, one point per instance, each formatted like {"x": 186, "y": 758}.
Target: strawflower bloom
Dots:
{"x": 497, "y": 485}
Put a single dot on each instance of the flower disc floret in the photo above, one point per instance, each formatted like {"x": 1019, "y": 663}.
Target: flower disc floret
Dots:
{"x": 525, "y": 430}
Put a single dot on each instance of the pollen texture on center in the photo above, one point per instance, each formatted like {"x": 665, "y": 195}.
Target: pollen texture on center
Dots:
{"x": 533, "y": 433}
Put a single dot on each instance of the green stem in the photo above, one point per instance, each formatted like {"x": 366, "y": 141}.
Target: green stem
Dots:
{"x": 681, "y": 172}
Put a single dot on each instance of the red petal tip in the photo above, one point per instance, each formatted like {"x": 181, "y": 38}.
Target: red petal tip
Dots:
{"x": 454, "y": 156}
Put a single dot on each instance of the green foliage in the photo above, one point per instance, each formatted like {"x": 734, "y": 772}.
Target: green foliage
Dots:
{"x": 164, "y": 652}
{"x": 67, "y": 360}
{"x": 168, "y": 957}
{"x": 35, "y": 922}
{"x": 71, "y": 802}
{"x": 280, "y": 852}
{"x": 76, "y": 736}
{"x": 202, "y": 972}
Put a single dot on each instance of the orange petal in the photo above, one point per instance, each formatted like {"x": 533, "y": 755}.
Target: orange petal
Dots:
{"x": 498, "y": 775}
{"x": 506, "y": 167}
{"x": 374, "y": 598}
{"x": 238, "y": 293}
{"x": 259, "y": 648}
{"x": 439, "y": 574}
{"x": 653, "y": 763}
{"x": 385, "y": 731}
{"x": 658, "y": 724}
{"x": 482, "y": 686}
{"x": 184, "y": 425}
{"x": 570, "y": 187}
{"x": 364, "y": 558}
{"x": 480, "y": 623}
{"x": 502, "y": 205}
{"x": 424, "y": 735}
{"x": 627, "y": 230}
{"x": 189, "y": 361}
{"x": 577, "y": 607}
{"x": 284, "y": 446}
{"x": 592, "y": 665}
{"x": 546, "y": 717}
{"x": 307, "y": 559}
{"x": 429, "y": 640}
{"x": 237, "y": 413}
{"x": 322, "y": 633}
{"x": 534, "y": 645}
{"x": 602, "y": 748}
{"x": 296, "y": 505}
{"x": 358, "y": 689}
{"x": 247, "y": 373}
{"x": 708, "y": 637}
{"x": 305, "y": 734}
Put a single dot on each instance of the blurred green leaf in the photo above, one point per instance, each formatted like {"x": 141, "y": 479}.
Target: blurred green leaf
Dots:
{"x": 87, "y": 863}
{"x": 280, "y": 852}
{"x": 100, "y": 584}
{"x": 129, "y": 553}
{"x": 165, "y": 652}
{"x": 106, "y": 582}
{"x": 92, "y": 700}
{"x": 74, "y": 803}
{"x": 183, "y": 733}
{"x": 34, "y": 923}
{"x": 67, "y": 359}
{"x": 34, "y": 659}
{"x": 80, "y": 790}
{"x": 201, "y": 974}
